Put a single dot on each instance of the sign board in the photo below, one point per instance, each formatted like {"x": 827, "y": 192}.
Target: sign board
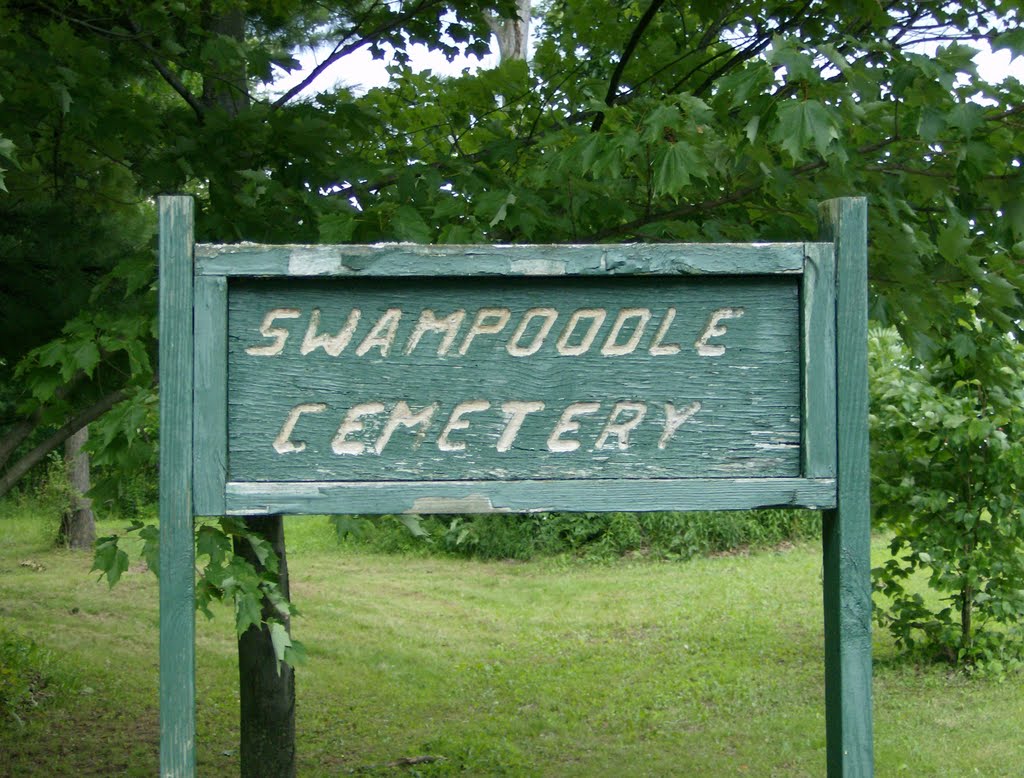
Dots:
{"x": 435, "y": 379}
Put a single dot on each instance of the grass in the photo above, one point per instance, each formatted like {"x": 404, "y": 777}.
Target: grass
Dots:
{"x": 546, "y": 668}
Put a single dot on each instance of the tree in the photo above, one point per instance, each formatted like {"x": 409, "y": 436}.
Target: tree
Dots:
{"x": 107, "y": 104}
{"x": 951, "y": 429}
{"x": 729, "y": 122}
{"x": 707, "y": 122}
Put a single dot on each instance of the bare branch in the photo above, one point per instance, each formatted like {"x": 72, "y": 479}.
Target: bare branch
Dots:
{"x": 343, "y": 51}
{"x": 167, "y": 74}
{"x": 627, "y": 53}
{"x": 38, "y": 454}
{"x": 16, "y": 436}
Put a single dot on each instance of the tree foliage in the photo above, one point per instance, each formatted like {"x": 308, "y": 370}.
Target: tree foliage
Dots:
{"x": 949, "y": 466}
{"x": 635, "y": 121}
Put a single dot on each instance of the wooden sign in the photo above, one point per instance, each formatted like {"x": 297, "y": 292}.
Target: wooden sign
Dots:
{"x": 437, "y": 379}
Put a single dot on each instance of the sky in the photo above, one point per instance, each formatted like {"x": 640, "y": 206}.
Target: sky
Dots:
{"x": 361, "y": 72}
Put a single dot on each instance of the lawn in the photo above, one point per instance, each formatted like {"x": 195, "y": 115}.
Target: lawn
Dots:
{"x": 552, "y": 668}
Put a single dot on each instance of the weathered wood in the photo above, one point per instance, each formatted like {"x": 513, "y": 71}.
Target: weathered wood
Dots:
{"x": 819, "y": 362}
{"x": 847, "y": 529}
{"x": 407, "y": 259}
{"x": 303, "y": 407}
{"x": 742, "y": 383}
{"x": 528, "y": 496}
{"x": 266, "y": 690}
{"x": 210, "y": 395}
{"x": 177, "y": 550}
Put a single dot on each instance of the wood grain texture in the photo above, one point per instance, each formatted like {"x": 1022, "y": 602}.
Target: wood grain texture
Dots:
{"x": 847, "y": 529}
{"x": 177, "y": 555}
{"x": 210, "y": 393}
{"x": 406, "y": 259}
{"x": 528, "y": 496}
{"x": 748, "y": 423}
{"x": 818, "y": 300}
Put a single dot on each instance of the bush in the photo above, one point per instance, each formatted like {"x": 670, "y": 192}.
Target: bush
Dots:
{"x": 585, "y": 535}
{"x": 948, "y": 462}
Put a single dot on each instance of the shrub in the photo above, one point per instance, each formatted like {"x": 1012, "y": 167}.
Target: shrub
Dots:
{"x": 947, "y": 465}
{"x": 662, "y": 535}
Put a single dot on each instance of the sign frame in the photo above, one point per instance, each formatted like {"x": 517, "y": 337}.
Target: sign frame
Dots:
{"x": 194, "y": 480}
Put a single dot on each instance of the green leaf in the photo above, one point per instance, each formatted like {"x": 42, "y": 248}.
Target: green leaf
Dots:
{"x": 412, "y": 523}
{"x": 213, "y": 543}
{"x": 86, "y": 356}
{"x": 109, "y": 559}
{"x": 799, "y": 64}
{"x": 674, "y": 166}
{"x": 752, "y": 127}
{"x": 1012, "y": 39}
{"x": 502, "y": 212}
{"x": 966, "y": 117}
{"x": 150, "y": 553}
{"x": 409, "y": 225}
{"x": 337, "y": 227}
{"x": 281, "y": 641}
{"x": 803, "y": 123}
{"x": 264, "y": 551}
{"x": 248, "y": 611}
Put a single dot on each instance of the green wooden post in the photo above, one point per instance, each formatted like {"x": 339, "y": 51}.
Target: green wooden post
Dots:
{"x": 847, "y": 529}
{"x": 177, "y": 552}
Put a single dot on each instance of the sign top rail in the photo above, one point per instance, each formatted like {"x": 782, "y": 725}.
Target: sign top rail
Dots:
{"x": 409, "y": 259}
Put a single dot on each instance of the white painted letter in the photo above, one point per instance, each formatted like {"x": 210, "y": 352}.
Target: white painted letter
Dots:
{"x": 596, "y": 316}
{"x": 352, "y": 424}
{"x": 675, "y": 419}
{"x": 283, "y": 444}
{"x": 713, "y": 330}
{"x": 456, "y": 422}
{"x": 279, "y": 334}
{"x": 333, "y": 345}
{"x": 500, "y": 318}
{"x": 668, "y": 349}
{"x": 513, "y": 347}
{"x": 621, "y": 430}
{"x": 613, "y": 349}
{"x": 401, "y": 415}
{"x": 515, "y": 414}
{"x": 566, "y": 424}
{"x": 449, "y": 325}
{"x": 383, "y": 333}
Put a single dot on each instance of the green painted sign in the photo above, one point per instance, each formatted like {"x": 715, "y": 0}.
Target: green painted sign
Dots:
{"x": 402, "y": 379}
{"x": 441, "y": 379}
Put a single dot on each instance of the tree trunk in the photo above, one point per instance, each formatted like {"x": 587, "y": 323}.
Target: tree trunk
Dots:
{"x": 513, "y": 34}
{"x": 78, "y": 524}
{"x": 226, "y": 87}
{"x": 266, "y": 692}
{"x": 966, "y": 628}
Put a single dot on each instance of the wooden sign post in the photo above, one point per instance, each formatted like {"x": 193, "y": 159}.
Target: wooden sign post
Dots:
{"x": 472, "y": 379}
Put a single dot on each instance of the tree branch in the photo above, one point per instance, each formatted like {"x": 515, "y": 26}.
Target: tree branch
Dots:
{"x": 343, "y": 51}
{"x": 733, "y": 197}
{"x": 167, "y": 74}
{"x": 627, "y": 53}
{"x": 38, "y": 454}
{"x": 17, "y": 434}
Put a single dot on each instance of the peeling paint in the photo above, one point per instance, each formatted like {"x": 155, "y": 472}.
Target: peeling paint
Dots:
{"x": 538, "y": 267}
{"x": 473, "y": 503}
